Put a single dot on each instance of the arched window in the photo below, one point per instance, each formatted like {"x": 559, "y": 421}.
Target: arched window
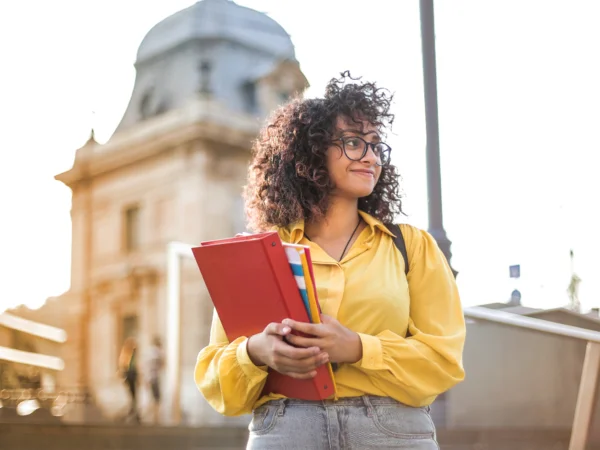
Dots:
{"x": 145, "y": 106}
{"x": 249, "y": 97}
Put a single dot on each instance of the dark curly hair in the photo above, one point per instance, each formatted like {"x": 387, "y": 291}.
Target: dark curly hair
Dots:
{"x": 288, "y": 178}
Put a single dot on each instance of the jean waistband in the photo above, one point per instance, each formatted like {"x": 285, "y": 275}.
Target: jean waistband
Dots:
{"x": 365, "y": 400}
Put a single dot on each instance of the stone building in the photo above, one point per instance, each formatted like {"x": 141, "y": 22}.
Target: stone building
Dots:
{"x": 206, "y": 77}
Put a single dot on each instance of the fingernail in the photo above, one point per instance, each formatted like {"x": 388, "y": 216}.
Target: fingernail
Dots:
{"x": 286, "y": 329}
{"x": 286, "y": 322}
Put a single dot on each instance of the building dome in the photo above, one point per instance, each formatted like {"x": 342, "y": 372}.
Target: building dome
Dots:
{"x": 215, "y": 47}
{"x": 218, "y": 20}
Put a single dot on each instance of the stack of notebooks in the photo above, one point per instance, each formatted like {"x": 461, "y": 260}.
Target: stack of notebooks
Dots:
{"x": 255, "y": 280}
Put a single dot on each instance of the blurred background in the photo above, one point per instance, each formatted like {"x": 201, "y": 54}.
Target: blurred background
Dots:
{"x": 125, "y": 139}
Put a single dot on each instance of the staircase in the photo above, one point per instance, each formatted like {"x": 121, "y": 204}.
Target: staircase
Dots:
{"x": 118, "y": 437}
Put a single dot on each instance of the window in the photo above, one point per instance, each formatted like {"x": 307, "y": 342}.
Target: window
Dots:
{"x": 205, "y": 71}
{"x": 145, "y": 105}
{"x": 205, "y": 67}
{"x": 284, "y": 97}
{"x": 131, "y": 232}
{"x": 22, "y": 341}
{"x": 249, "y": 96}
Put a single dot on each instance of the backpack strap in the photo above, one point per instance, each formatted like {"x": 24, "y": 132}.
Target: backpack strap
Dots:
{"x": 399, "y": 243}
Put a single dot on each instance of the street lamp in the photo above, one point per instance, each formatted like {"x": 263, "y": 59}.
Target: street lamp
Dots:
{"x": 434, "y": 184}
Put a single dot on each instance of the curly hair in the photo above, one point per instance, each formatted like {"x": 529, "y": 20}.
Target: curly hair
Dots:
{"x": 288, "y": 178}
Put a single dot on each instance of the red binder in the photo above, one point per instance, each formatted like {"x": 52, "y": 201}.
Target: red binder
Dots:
{"x": 251, "y": 284}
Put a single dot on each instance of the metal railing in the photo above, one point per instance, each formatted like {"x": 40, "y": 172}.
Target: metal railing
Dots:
{"x": 33, "y": 328}
{"x": 39, "y": 330}
{"x": 584, "y": 408}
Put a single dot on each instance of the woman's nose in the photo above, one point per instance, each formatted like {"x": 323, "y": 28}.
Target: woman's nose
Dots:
{"x": 370, "y": 156}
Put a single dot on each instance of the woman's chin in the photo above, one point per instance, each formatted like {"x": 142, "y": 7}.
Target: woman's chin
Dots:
{"x": 365, "y": 191}
{"x": 357, "y": 194}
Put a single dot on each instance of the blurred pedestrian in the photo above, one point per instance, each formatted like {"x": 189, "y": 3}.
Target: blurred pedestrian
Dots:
{"x": 155, "y": 366}
{"x": 129, "y": 372}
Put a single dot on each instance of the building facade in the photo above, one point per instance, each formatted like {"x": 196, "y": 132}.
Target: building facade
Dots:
{"x": 206, "y": 77}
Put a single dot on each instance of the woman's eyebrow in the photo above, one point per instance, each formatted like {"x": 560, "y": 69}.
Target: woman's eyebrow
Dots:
{"x": 360, "y": 132}
{"x": 357, "y": 131}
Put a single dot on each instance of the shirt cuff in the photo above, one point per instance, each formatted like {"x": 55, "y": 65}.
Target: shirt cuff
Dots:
{"x": 372, "y": 353}
{"x": 248, "y": 367}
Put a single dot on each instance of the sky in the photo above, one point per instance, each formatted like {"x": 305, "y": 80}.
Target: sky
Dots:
{"x": 518, "y": 110}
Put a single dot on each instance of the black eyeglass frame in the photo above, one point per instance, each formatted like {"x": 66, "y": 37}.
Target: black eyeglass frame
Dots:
{"x": 384, "y": 159}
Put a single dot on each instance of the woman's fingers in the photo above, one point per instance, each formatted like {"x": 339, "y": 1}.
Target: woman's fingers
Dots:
{"x": 300, "y": 341}
{"x": 287, "y": 359}
{"x": 277, "y": 329}
{"x": 313, "y": 329}
{"x": 302, "y": 376}
{"x": 297, "y": 353}
{"x": 297, "y": 362}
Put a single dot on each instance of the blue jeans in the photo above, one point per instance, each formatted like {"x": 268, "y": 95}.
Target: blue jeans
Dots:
{"x": 350, "y": 423}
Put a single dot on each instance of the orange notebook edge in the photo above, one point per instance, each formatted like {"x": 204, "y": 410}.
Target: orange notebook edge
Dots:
{"x": 315, "y": 310}
{"x": 312, "y": 277}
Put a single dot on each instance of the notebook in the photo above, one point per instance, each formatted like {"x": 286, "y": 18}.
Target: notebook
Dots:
{"x": 314, "y": 308}
{"x": 251, "y": 284}
{"x": 301, "y": 263}
{"x": 292, "y": 253}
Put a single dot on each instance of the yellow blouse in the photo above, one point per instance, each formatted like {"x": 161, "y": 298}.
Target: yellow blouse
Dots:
{"x": 367, "y": 292}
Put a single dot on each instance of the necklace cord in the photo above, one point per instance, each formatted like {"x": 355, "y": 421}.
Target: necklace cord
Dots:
{"x": 347, "y": 243}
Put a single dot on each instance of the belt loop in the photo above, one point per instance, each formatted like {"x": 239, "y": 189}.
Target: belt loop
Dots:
{"x": 281, "y": 408}
{"x": 368, "y": 405}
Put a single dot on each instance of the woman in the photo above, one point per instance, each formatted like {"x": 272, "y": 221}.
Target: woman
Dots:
{"x": 129, "y": 372}
{"x": 321, "y": 177}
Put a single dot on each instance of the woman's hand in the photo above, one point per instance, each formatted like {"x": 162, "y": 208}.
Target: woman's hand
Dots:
{"x": 341, "y": 344}
{"x": 269, "y": 348}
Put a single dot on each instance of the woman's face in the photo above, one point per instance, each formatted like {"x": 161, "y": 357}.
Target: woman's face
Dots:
{"x": 353, "y": 179}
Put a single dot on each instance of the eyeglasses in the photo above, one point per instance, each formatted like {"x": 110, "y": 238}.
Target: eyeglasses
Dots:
{"x": 355, "y": 149}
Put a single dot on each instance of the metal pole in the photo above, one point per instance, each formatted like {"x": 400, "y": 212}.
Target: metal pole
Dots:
{"x": 434, "y": 183}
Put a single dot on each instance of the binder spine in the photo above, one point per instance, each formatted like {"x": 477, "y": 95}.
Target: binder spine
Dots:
{"x": 286, "y": 282}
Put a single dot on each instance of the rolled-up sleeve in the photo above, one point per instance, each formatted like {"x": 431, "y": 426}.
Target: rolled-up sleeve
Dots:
{"x": 225, "y": 374}
{"x": 428, "y": 361}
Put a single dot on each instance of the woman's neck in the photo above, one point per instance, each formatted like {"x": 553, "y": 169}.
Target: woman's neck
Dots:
{"x": 339, "y": 222}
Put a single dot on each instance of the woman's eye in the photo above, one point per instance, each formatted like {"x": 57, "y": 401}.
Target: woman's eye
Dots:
{"x": 352, "y": 142}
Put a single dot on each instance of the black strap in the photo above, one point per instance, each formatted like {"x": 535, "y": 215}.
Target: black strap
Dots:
{"x": 400, "y": 244}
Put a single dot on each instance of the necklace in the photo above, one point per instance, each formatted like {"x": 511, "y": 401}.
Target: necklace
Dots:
{"x": 351, "y": 236}
{"x": 347, "y": 243}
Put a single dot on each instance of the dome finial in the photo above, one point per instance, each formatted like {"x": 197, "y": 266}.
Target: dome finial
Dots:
{"x": 92, "y": 138}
